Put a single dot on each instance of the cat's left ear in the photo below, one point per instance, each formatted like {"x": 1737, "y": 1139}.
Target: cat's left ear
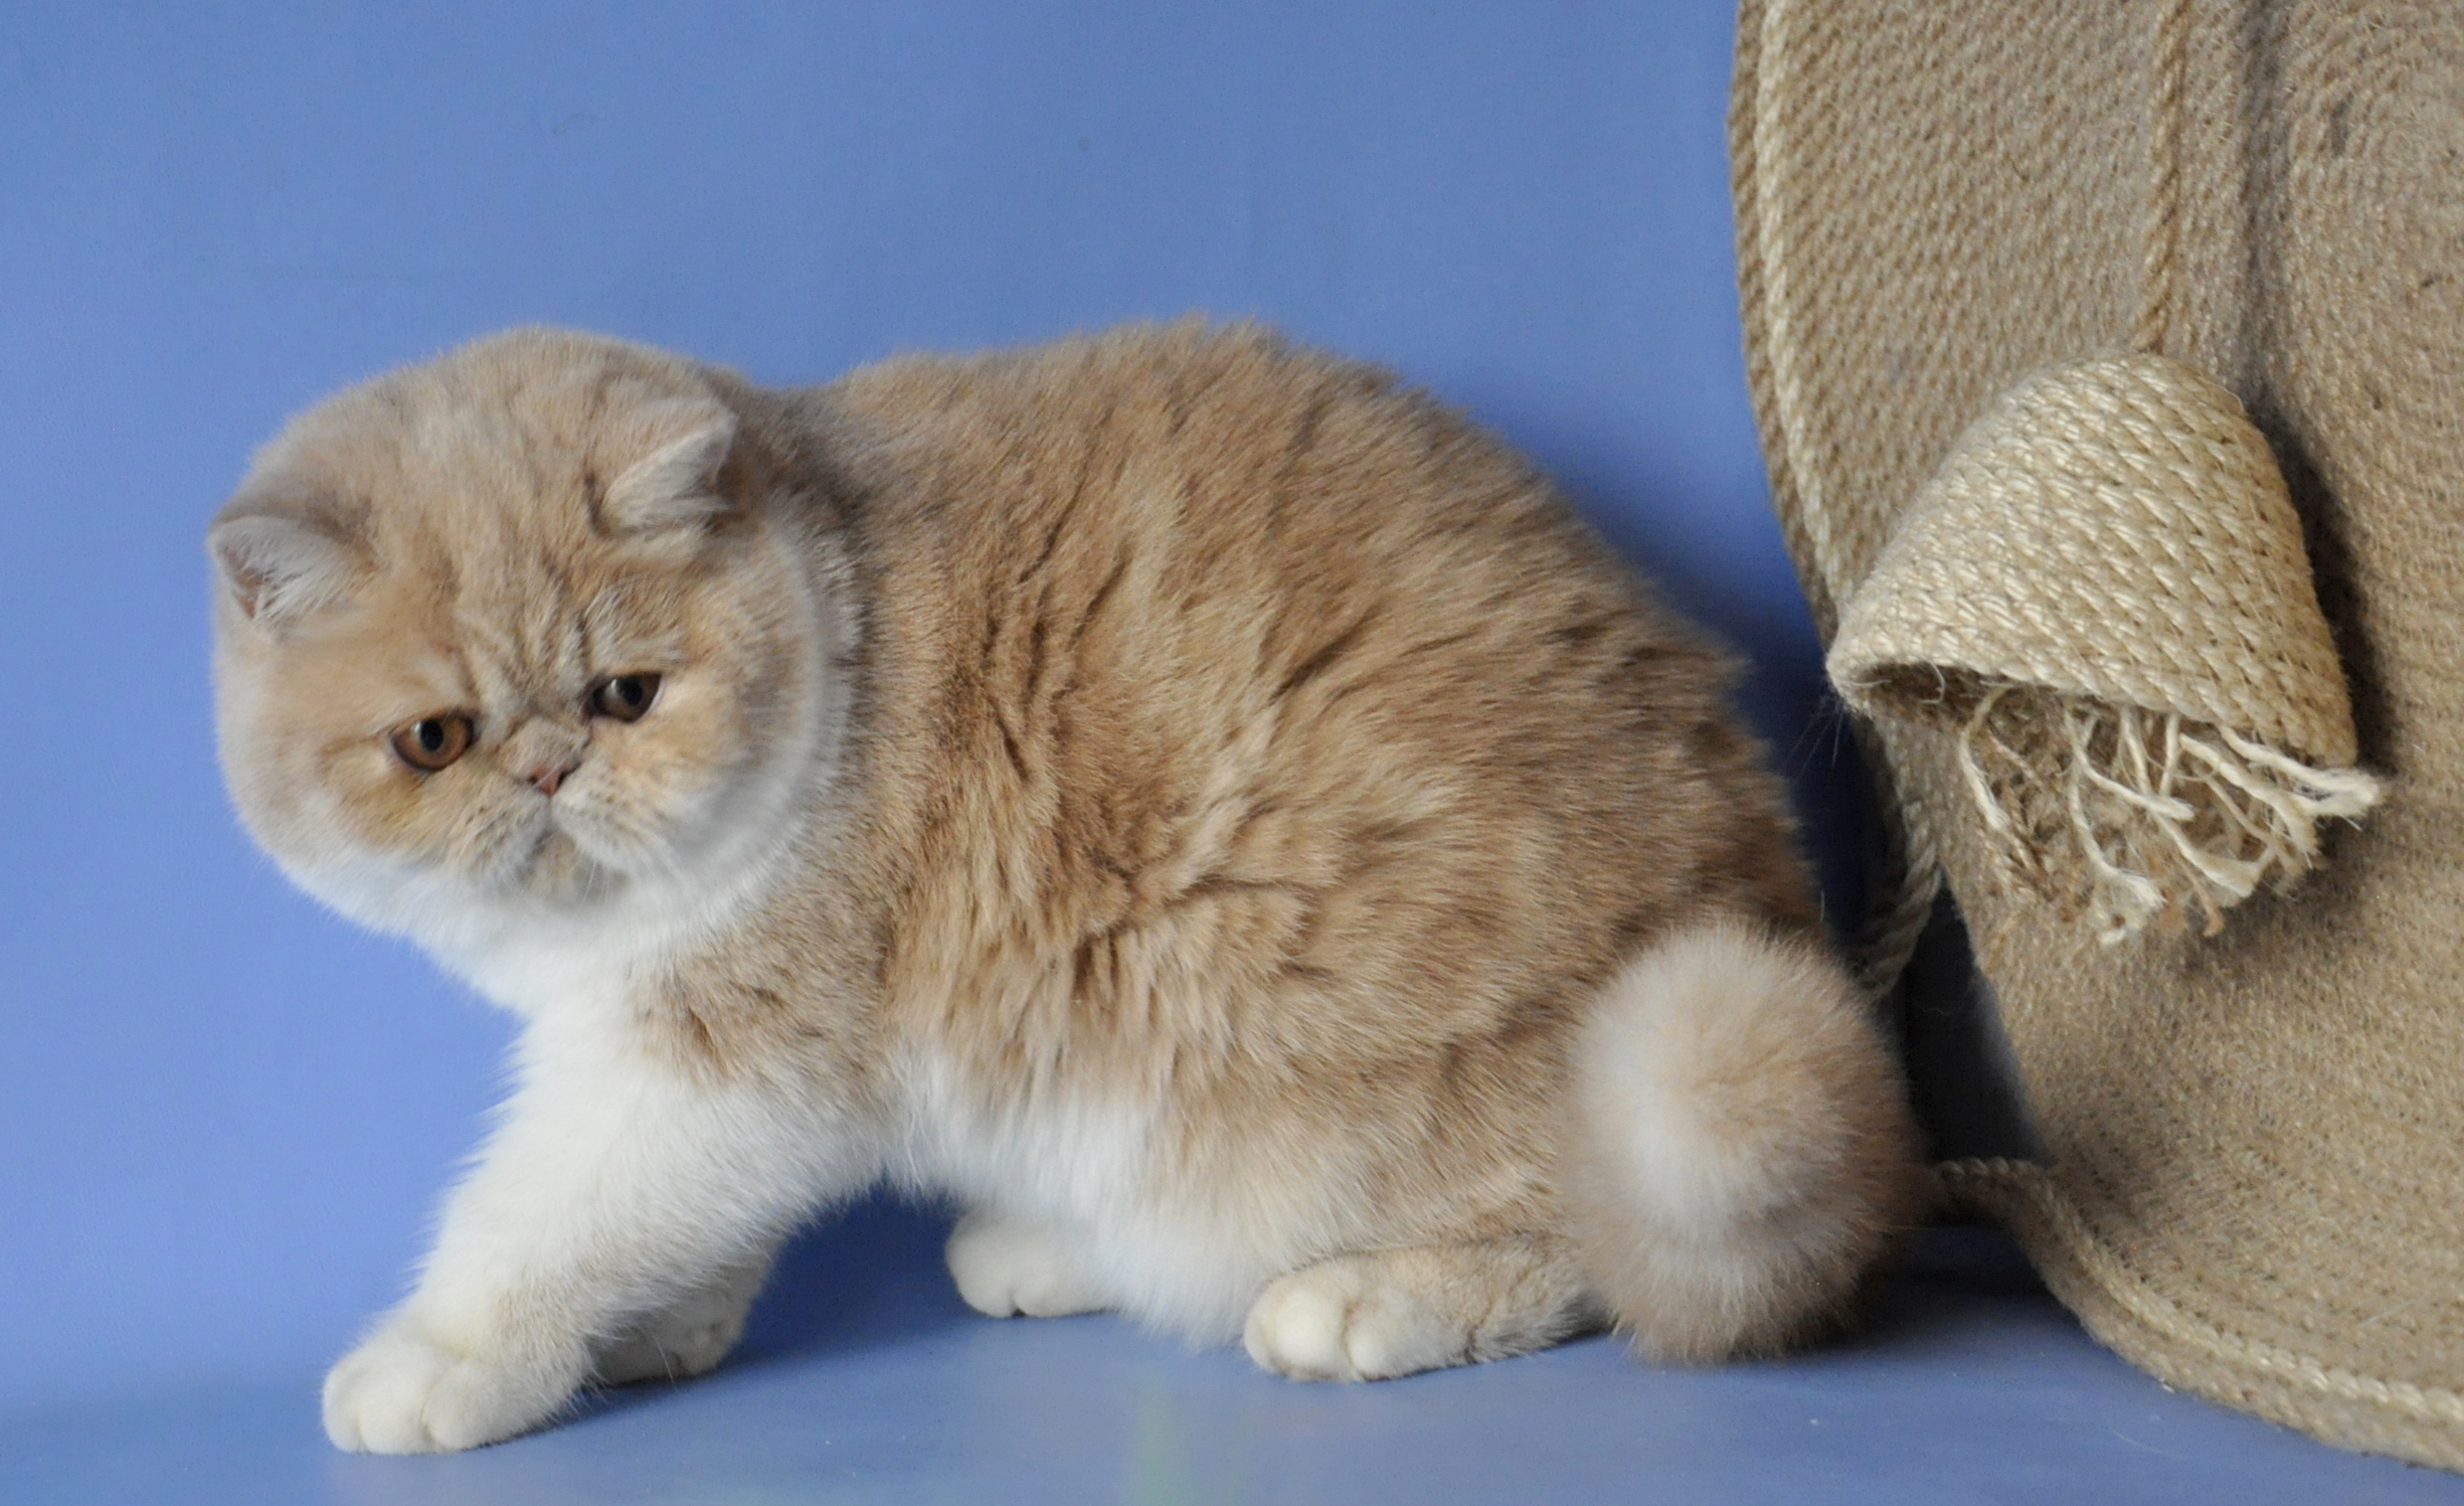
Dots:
{"x": 282, "y": 556}
{"x": 673, "y": 492}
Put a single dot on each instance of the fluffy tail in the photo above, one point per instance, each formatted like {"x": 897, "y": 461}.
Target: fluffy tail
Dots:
{"x": 1741, "y": 1150}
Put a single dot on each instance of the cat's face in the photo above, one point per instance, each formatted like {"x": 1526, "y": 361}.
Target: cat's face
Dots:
{"x": 501, "y": 636}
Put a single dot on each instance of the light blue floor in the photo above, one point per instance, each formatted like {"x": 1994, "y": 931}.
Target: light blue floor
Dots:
{"x": 864, "y": 1380}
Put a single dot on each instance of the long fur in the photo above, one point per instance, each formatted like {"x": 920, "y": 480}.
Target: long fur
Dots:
{"x": 1734, "y": 1158}
{"x": 1210, "y": 810}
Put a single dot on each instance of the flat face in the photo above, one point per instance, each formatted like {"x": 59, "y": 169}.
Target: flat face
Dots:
{"x": 492, "y": 637}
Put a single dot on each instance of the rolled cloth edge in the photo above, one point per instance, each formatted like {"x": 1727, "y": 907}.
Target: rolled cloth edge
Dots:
{"x": 2104, "y": 593}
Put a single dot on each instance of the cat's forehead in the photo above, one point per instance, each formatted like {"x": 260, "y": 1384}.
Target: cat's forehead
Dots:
{"x": 507, "y": 437}
{"x": 490, "y": 505}
{"x": 523, "y": 605}
{"x": 489, "y": 631}
{"x": 483, "y": 552}
{"x": 451, "y": 472}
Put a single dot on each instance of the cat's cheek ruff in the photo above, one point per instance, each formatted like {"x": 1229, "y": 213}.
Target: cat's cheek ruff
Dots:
{"x": 302, "y": 809}
{"x": 418, "y": 874}
{"x": 350, "y": 823}
{"x": 645, "y": 880}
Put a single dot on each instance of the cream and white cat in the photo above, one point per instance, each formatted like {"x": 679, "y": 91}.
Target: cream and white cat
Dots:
{"x": 1213, "y": 813}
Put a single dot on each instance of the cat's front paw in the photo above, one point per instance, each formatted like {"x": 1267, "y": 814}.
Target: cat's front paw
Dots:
{"x": 403, "y": 1393}
{"x": 1340, "y": 1320}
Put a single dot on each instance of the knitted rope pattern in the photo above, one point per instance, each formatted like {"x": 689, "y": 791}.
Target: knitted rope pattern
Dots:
{"x": 2104, "y": 590}
{"x": 2126, "y": 1311}
{"x": 2163, "y": 268}
{"x": 2252, "y": 1143}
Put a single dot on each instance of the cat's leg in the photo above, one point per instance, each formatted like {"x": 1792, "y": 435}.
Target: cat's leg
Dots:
{"x": 619, "y": 1181}
{"x": 1392, "y": 1312}
{"x": 1006, "y": 1265}
{"x": 688, "y": 1337}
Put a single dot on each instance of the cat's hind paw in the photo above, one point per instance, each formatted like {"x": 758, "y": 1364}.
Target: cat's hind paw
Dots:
{"x": 1341, "y": 1320}
{"x": 1008, "y": 1268}
{"x": 687, "y": 1339}
{"x": 403, "y": 1393}
{"x": 675, "y": 1346}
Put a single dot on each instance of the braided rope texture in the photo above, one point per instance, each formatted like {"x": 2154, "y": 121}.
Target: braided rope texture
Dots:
{"x": 2105, "y": 586}
{"x": 2125, "y": 1311}
{"x": 2111, "y": 529}
{"x": 2254, "y": 1183}
{"x": 2160, "y": 275}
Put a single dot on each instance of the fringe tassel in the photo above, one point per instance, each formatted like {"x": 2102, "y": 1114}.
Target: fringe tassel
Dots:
{"x": 2136, "y": 817}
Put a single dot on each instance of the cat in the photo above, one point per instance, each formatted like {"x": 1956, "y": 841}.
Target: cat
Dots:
{"x": 1210, "y": 812}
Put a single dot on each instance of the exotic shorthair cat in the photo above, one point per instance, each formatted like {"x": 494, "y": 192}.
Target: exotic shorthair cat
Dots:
{"x": 1212, "y": 813}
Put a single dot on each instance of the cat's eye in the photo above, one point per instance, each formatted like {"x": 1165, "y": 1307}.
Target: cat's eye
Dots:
{"x": 625, "y": 697}
{"x": 430, "y": 743}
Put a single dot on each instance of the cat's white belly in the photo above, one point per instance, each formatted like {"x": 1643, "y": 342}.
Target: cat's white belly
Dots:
{"x": 1085, "y": 1176}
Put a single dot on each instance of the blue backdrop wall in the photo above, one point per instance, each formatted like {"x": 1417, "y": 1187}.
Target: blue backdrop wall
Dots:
{"x": 223, "y": 1115}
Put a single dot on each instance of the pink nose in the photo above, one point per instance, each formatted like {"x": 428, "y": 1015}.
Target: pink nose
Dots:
{"x": 547, "y": 776}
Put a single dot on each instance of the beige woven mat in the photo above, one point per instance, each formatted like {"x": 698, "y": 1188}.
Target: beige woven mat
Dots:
{"x": 2254, "y": 1176}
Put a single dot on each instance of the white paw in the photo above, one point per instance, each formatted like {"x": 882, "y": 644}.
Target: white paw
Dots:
{"x": 401, "y": 1393}
{"x": 1005, "y": 1268}
{"x": 1340, "y": 1320}
{"x": 689, "y": 1338}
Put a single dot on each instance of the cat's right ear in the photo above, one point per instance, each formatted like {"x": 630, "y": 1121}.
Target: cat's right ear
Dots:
{"x": 673, "y": 493}
{"x": 276, "y": 563}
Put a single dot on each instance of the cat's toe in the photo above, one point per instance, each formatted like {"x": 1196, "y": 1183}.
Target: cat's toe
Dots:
{"x": 401, "y": 1393}
{"x": 671, "y": 1350}
{"x": 1341, "y": 1321}
{"x": 1008, "y": 1268}
{"x": 677, "y": 1345}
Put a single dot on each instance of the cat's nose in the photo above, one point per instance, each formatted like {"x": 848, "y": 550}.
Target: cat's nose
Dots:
{"x": 542, "y": 752}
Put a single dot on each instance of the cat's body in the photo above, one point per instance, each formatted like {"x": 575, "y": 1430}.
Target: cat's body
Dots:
{"x": 1216, "y": 816}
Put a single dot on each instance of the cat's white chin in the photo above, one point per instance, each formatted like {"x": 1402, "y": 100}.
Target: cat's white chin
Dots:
{"x": 558, "y": 868}
{"x": 594, "y": 846}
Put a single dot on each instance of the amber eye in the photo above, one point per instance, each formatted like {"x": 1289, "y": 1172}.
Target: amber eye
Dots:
{"x": 626, "y": 697}
{"x": 430, "y": 743}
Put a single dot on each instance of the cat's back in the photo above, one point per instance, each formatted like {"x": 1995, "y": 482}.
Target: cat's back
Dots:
{"x": 1268, "y": 516}
{"x": 1211, "y": 448}
{"x": 1189, "y": 641}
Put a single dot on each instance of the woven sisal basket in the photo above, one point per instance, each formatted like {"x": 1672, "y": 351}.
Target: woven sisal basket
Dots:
{"x": 2251, "y": 1177}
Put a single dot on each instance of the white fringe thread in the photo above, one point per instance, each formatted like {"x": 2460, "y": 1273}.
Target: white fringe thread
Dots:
{"x": 2170, "y": 821}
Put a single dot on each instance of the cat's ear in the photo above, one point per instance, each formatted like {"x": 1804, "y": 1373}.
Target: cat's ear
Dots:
{"x": 674, "y": 490}
{"x": 278, "y": 562}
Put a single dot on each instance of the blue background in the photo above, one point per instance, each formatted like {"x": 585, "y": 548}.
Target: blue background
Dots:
{"x": 223, "y": 1115}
